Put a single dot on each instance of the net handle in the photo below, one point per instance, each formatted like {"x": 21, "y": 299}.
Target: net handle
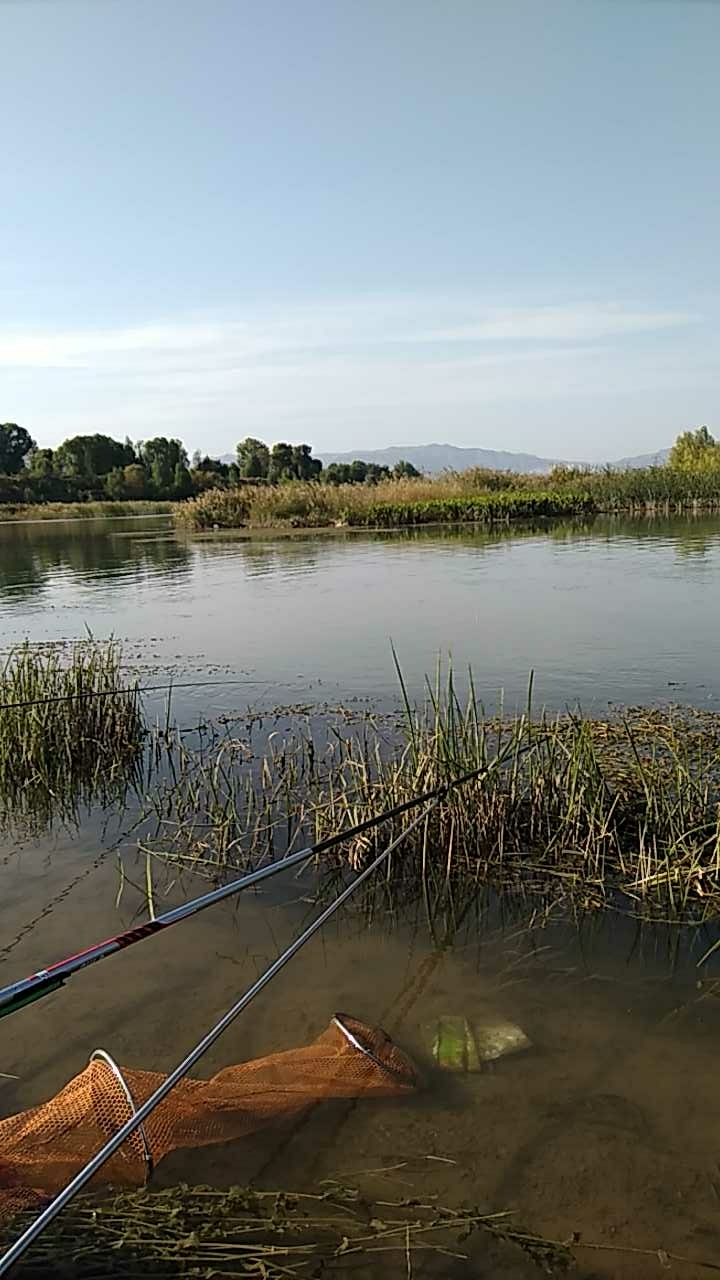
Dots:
{"x": 100, "y": 1055}
{"x": 338, "y": 1020}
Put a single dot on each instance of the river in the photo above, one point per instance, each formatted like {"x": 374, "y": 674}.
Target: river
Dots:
{"x": 606, "y": 1126}
{"x": 616, "y": 611}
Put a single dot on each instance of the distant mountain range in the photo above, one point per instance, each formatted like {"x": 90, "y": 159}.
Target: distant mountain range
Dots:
{"x": 433, "y": 458}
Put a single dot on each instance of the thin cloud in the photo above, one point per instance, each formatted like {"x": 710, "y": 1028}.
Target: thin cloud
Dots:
{"x": 316, "y": 334}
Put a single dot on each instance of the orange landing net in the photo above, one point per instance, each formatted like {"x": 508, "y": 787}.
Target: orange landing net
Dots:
{"x": 42, "y": 1149}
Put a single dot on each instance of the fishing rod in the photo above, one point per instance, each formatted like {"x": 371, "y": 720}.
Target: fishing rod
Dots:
{"x": 128, "y": 691}
{"x": 24, "y": 992}
{"x": 136, "y": 1121}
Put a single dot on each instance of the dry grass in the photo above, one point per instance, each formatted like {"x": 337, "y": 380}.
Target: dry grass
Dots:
{"x": 469, "y": 497}
{"x": 10, "y": 511}
{"x": 200, "y": 1231}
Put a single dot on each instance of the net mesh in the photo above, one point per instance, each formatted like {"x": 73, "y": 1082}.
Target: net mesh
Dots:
{"x": 43, "y": 1148}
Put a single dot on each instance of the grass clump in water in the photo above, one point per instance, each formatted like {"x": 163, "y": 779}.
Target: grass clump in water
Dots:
{"x": 623, "y": 811}
{"x": 71, "y": 730}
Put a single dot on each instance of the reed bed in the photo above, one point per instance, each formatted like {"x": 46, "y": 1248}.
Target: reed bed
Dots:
{"x": 623, "y": 811}
{"x": 12, "y": 511}
{"x": 71, "y": 731}
{"x": 201, "y": 1231}
{"x": 472, "y": 497}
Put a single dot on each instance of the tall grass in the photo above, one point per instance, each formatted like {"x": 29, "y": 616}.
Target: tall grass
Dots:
{"x": 71, "y": 730}
{"x": 81, "y": 510}
{"x": 585, "y": 811}
{"x": 476, "y": 497}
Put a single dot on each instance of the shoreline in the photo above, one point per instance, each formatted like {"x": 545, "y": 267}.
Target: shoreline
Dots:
{"x": 57, "y": 512}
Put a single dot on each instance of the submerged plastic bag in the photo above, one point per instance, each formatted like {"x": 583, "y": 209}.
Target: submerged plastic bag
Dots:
{"x": 459, "y": 1045}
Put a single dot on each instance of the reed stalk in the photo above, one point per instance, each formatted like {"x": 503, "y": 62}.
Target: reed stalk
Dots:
{"x": 71, "y": 731}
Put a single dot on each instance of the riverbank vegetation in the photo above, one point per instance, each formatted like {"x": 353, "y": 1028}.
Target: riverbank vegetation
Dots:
{"x": 285, "y": 486}
{"x": 97, "y": 469}
{"x": 472, "y": 497}
{"x": 82, "y": 510}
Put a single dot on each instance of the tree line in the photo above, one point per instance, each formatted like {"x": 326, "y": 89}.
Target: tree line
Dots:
{"x": 98, "y": 467}
{"x": 257, "y": 461}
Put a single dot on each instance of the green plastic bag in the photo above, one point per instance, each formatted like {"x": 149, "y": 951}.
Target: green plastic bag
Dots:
{"x": 458, "y": 1045}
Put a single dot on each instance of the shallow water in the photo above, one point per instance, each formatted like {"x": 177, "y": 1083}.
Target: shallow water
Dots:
{"x": 606, "y": 1127}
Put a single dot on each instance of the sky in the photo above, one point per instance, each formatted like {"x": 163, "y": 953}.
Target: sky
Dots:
{"x": 360, "y": 223}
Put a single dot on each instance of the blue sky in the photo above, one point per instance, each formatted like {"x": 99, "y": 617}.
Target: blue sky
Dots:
{"x": 362, "y": 222}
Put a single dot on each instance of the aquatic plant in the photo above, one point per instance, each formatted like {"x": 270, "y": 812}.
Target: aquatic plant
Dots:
{"x": 586, "y": 812}
{"x": 193, "y": 1231}
{"x": 71, "y": 730}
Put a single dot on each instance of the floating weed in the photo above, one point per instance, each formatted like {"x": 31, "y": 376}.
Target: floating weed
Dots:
{"x": 201, "y": 1231}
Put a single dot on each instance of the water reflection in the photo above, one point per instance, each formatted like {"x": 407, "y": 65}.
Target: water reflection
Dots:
{"x": 32, "y": 555}
{"x": 599, "y": 609}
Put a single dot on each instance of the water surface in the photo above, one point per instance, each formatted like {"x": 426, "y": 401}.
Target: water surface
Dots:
{"x": 606, "y": 1127}
{"x": 614, "y": 611}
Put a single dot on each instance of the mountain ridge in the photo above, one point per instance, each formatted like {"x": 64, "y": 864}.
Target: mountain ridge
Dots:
{"x": 434, "y": 458}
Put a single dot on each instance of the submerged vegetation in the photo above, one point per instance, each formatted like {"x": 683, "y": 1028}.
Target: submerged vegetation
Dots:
{"x": 584, "y": 813}
{"x": 202, "y": 1231}
{"x": 71, "y": 731}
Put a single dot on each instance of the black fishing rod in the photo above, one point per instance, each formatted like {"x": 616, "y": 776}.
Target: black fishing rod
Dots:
{"x": 136, "y": 1120}
{"x": 26, "y": 991}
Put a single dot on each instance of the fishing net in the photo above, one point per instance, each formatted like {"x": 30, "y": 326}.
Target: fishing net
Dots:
{"x": 43, "y": 1148}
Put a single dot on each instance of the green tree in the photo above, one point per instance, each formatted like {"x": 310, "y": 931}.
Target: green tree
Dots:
{"x": 136, "y": 480}
{"x": 161, "y": 458}
{"x": 15, "y": 444}
{"x": 253, "y": 459}
{"x": 41, "y": 462}
{"x": 213, "y": 466}
{"x": 695, "y": 451}
{"x": 304, "y": 465}
{"x": 356, "y": 472}
{"x": 91, "y": 456}
{"x": 282, "y": 466}
{"x": 337, "y": 473}
{"x": 405, "y": 471}
{"x": 211, "y": 473}
{"x": 128, "y": 482}
{"x": 182, "y": 481}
